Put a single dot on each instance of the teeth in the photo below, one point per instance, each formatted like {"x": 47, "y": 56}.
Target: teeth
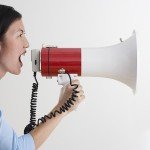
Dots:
{"x": 22, "y": 58}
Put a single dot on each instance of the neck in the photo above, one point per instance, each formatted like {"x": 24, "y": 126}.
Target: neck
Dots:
{"x": 2, "y": 72}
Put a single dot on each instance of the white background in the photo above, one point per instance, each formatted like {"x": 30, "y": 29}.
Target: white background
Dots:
{"x": 111, "y": 117}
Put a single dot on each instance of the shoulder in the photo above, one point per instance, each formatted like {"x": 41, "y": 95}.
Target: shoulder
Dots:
{"x": 1, "y": 112}
{"x": 1, "y": 115}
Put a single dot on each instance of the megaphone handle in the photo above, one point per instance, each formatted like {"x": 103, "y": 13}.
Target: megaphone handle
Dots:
{"x": 63, "y": 79}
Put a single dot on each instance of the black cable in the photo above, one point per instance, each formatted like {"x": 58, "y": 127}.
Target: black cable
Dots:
{"x": 63, "y": 108}
{"x": 33, "y": 102}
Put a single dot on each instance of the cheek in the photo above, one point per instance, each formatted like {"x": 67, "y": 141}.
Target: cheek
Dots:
{"x": 10, "y": 56}
{"x": 11, "y": 62}
{"x": 12, "y": 50}
{"x": 13, "y": 43}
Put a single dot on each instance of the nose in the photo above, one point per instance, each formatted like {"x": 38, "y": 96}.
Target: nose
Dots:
{"x": 25, "y": 43}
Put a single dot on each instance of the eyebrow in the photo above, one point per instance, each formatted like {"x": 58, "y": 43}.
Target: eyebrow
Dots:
{"x": 21, "y": 31}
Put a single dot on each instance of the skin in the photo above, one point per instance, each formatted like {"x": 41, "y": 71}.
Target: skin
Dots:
{"x": 11, "y": 48}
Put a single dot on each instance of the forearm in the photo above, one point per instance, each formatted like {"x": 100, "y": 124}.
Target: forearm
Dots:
{"x": 42, "y": 132}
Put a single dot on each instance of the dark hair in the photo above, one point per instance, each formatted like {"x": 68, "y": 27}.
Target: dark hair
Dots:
{"x": 7, "y": 16}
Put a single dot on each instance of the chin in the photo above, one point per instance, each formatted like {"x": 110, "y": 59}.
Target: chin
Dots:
{"x": 16, "y": 72}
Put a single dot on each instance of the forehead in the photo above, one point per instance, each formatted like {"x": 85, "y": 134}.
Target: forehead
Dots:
{"x": 16, "y": 26}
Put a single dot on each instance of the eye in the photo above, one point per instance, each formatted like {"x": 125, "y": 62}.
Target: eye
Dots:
{"x": 21, "y": 35}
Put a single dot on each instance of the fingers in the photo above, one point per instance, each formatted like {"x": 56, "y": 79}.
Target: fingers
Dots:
{"x": 79, "y": 89}
{"x": 81, "y": 92}
{"x": 79, "y": 98}
{"x": 82, "y": 97}
{"x": 74, "y": 83}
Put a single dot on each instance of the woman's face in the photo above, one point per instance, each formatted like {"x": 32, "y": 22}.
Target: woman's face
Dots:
{"x": 12, "y": 47}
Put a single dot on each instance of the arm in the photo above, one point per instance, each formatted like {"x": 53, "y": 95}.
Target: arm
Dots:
{"x": 42, "y": 132}
{"x": 9, "y": 139}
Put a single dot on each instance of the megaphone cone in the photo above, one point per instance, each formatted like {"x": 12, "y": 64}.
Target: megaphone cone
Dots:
{"x": 117, "y": 62}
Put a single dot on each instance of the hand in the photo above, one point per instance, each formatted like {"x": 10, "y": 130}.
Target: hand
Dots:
{"x": 66, "y": 93}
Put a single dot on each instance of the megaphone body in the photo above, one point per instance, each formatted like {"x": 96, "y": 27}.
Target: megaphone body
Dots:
{"x": 117, "y": 62}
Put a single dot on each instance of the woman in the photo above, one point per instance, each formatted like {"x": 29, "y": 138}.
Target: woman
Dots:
{"x": 13, "y": 44}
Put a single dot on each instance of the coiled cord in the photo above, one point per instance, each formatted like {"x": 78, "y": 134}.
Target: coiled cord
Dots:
{"x": 63, "y": 108}
{"x": 33, "y": 106}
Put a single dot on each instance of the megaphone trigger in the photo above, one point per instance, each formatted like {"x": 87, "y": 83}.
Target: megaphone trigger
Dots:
{"x": 63, "y": 79}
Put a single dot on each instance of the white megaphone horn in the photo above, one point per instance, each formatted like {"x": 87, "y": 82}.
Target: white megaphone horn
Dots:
{"x": 117, "y": 62}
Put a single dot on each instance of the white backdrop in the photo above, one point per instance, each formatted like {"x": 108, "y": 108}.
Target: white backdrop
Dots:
{"x": 111, "y": 117}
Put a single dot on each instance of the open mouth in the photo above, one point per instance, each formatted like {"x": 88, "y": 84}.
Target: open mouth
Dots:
{"x": 20, "y": 58}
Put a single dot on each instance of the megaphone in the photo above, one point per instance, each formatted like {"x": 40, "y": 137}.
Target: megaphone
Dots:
{"x": 118, "y": 62}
